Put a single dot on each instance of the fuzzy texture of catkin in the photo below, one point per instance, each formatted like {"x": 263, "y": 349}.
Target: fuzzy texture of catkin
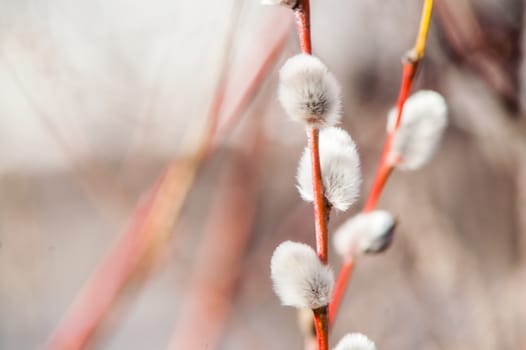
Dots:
{"x": 355, "y": 341}
{"x": 309, "y": 93}
{"x": 340, "y": 169}
{"x": 370, "y": 232}
{"x": 286, "y": 3}
{"x": 299, "y": 278}
{"x": 423, "y": 122}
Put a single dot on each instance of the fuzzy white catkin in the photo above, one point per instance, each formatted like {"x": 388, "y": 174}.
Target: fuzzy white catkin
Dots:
{"x": 286, "y": 3}
{"x": 355, "y": 341}
{"x": 423, "y": 122}
{"x": 370, "y": 232}
{"x": 340, "y": 169}
{"x": 309, "y": 93}
{"x": 299, "y": 278}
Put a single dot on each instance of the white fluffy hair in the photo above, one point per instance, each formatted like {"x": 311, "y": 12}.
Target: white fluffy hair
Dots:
{"x": 309, "y": 93}
{"x": 423, "y": 122}
{"x": 287, "y": 3}
{"x": 355, "y": 341}
{"x": 370, "y": 232}
{"x": 299, "y": 277}
{"x": 340, "y": 169}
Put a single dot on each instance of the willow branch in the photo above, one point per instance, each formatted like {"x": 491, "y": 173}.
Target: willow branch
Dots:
{"x": 410, "y": 65}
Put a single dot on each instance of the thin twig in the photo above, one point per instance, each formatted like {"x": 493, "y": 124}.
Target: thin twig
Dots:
{"x": 319, "y": 199}
{"x": 410, "y": 65}
{"x": 340, "y": 287}
{"x": 382, "y": 175}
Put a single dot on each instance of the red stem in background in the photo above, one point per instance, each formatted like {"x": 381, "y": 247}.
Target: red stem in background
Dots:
{"x": 339, "y": 288}
{"x": 408, "y": 74}
{"x": 382, "y": 175}
{"x": 135, "y": 248}
{"x": 380, "y": 180}
{"x": 208, "y": 299}
{"x": 386, "y": 166}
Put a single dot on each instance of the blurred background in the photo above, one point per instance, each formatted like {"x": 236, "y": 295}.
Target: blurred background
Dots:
{"x": 147, "y": 174}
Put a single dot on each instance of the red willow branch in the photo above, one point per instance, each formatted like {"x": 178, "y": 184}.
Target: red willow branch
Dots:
{"x": 302, "y": 13}
{"x": 410, "y": 65}
{"x": 320, "y": 206}
{"x": 344, "y": 276}
{"x": 321, "y": 325}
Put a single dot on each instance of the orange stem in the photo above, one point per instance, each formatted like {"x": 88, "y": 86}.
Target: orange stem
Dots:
{"x": 380, "y": 180}
{"x": 302, "y": 13}
{"x": 408, "y": 74}
{"x": 319, "y": 201}
{"x": 322, "y": 327}
{"x": 339, "y": 289}
{"x": 386, "y": 167}
{"x": 382, "y": 175}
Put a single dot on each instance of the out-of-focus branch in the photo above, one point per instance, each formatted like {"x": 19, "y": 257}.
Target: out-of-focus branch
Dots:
{"x": 151, "y": 225}
{"x": 220, "y": 255}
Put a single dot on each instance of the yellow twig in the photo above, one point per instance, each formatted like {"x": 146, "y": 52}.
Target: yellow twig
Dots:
{"x": 425, "y": 19}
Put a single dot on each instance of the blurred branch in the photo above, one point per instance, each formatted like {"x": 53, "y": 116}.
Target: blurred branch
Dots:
{"x": 150, "y": 227}
{"x": 219, "y": 258}
{"x": 470, "y": 42}
{"x": 151, "y": 223}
